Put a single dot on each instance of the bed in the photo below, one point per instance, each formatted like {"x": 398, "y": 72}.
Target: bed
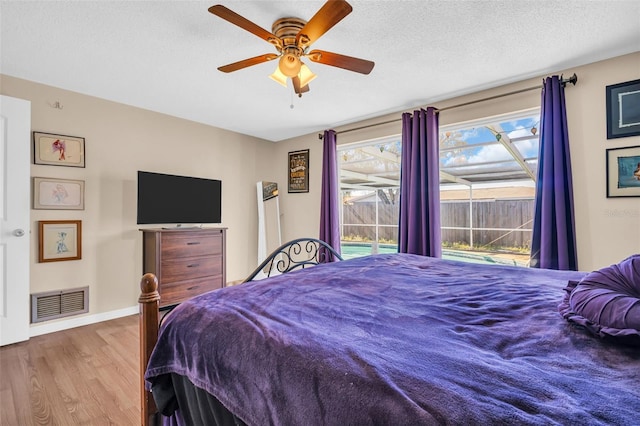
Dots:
{"x": 392, "y": 339}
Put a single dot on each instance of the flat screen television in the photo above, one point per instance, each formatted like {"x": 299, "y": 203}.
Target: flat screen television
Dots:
{"x": 172, "y": 199}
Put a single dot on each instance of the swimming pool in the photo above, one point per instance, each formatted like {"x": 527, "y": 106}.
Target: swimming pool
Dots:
{"x": 351, "y": 250}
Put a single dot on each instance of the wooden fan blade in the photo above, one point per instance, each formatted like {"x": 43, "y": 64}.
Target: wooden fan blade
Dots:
{"x": 341, "y": 61}
{"x": 244, "y": 23}
{"x": 247, "y": 62}
{"x": 296, "y": 86}
{"x": 330, "y": 14}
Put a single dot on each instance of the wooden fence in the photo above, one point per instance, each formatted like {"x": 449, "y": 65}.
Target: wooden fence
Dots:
{"x": 496, "y": 223}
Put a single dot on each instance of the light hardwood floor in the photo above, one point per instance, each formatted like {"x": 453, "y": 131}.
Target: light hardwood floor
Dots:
{"x": 82, "y": 376}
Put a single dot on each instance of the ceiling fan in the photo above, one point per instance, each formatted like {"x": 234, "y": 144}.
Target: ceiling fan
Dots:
{"x": 292, "y": 37}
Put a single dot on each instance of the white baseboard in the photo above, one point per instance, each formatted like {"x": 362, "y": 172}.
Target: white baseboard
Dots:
{"x": 39, "y": 329}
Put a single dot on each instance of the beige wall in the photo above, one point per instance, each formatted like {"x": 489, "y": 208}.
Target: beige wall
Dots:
{"x": 608, "y": 229}
{"x": 119, "y": 141}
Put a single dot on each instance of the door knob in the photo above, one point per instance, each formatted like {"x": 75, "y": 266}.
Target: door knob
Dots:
{"x": 18, "y": 232}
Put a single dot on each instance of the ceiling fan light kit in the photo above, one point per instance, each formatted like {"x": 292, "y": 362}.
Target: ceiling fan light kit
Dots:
{"x": 292, "y": 37}
{"x": 306, "y": 75}
{"x": 279, "y": 77}
{"x": 289, "y": 63}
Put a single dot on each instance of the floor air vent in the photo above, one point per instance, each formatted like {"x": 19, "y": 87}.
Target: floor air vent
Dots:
{"x": 58, "y": 304}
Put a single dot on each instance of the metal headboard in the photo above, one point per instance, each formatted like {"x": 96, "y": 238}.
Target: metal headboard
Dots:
{"x": 295, "y": 254}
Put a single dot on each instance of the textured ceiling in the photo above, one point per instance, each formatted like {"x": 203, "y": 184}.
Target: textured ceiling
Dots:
{"x": 163, "y": 55}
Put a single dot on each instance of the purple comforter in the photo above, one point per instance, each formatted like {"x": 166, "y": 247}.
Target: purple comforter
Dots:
{"x": 400, "y": 340}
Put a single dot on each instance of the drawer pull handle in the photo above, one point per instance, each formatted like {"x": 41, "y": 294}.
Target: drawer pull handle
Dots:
{"x": 193, "y": 243}
{"x": 193, "y": 265}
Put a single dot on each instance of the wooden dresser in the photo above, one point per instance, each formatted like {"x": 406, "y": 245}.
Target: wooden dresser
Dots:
{"x": 187, "y": 262}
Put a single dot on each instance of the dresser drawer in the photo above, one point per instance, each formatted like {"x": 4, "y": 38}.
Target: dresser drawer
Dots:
{"x": 170, "y": 294}
{"x": 187, "y": 268}
{"x": 190, "y": 244}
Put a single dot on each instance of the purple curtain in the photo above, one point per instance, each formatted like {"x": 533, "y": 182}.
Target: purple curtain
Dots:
{"x": 553, "y": 244}
{"x": 419, "y": 228}
{"x": 329, "y": 204}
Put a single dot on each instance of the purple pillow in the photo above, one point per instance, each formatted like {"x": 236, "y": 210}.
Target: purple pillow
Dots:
{"x": 607, "y": 301}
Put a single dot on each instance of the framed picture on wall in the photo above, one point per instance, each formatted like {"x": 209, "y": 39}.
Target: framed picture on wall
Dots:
{"x": 623, "y": 172}
{"x": 299, "y": 171}
{"x": 59, "y": 240}
{"x": 58, "y": 150}
{"x": 58, "y": 194}
{"x": 623, "y": 109}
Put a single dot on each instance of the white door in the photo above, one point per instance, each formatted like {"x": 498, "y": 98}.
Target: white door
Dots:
{"x": 15, "y": 126}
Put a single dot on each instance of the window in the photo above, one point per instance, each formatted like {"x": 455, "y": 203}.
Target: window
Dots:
{"x": 370, "y": 192}
{"x": 487, "y": 182}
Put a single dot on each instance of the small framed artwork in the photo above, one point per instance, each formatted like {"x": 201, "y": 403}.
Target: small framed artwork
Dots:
{"x": 269, "y": 190}
{"x": 58, "y": 194}
{"x": 623, "y": 172}
{"x": 59, "y": 240}
{"x": 299, "y": 171}
{"x": 623, "y": 109}
{"x": 58, "y": 150}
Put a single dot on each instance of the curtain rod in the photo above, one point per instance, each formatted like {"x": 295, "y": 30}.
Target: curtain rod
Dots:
{"x": 573, "y": 80}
